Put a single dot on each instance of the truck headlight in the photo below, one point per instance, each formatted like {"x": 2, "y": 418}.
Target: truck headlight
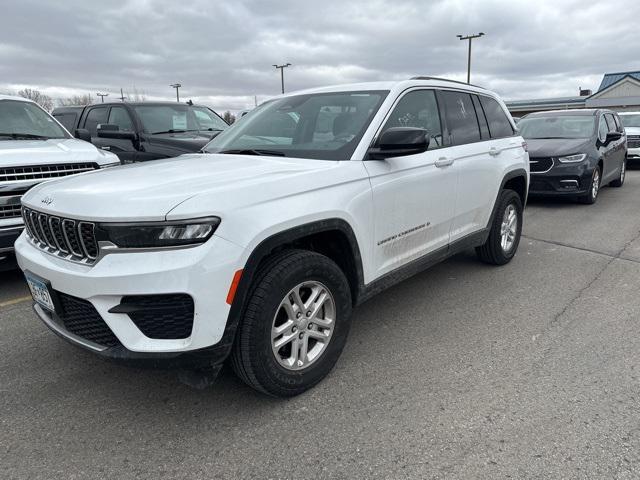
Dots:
{"x": 158, "y": 234}
{"x": 578, "y": 157}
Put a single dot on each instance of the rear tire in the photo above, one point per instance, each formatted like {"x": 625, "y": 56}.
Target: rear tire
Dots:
{"x": 506, "y": 228}
{"x": 286, "y": 342}
{"x": 623, "y": 173}
{"x": 594, "y": 188}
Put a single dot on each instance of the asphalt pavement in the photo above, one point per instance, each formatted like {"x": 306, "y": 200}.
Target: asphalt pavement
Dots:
{"x": 465, "y": 371}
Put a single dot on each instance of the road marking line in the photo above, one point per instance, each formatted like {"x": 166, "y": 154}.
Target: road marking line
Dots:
{"x": 14, "y": 301}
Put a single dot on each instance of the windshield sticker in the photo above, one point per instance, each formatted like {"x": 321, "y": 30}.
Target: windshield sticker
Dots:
{"x": 180, "y": 122}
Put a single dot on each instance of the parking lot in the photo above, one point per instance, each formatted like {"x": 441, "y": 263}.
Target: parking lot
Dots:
{"x": 464, "y": 371}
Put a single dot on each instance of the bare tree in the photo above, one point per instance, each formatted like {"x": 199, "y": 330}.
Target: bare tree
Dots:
{"x": 138, "y": 95}
{"x": 37, "y": 96}
{"x": 229, "y": 117}
{"x": 76, "y": 100}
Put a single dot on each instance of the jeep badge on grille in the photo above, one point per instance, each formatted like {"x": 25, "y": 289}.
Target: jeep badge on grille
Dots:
{"x": 47, "y": 200}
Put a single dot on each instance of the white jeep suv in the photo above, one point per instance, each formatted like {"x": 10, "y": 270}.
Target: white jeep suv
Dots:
{"x": 259, "y": 248}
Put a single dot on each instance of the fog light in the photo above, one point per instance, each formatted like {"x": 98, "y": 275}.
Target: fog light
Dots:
{"x": 569, "y": 184}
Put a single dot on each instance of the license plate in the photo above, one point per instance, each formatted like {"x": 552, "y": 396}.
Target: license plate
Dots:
{"x": 40, "y": 293}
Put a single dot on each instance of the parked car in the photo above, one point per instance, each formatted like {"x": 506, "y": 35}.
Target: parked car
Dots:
{"x": 260, "y": 248}
{"x": 141, "y": 131}
{"x": 631, "y": 123}
{"x": 34, "y": 147}
{"x": 574, "y": 152}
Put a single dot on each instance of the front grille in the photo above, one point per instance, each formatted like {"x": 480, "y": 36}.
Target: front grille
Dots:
{"x": 9, "y": 211}
{"x": 633, "y": 141}
{"x": 161, "y": 316}
{"x": 80, "y": 317}
{"x": 67, "y": 238}
{"x": 540, "y": 164}
{"x": 41, "y": 172}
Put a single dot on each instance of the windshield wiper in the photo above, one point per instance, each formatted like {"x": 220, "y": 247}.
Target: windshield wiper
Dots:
{"x": 169, "y": 131}
{"x": 30, "y": 136}
{"x": 254, "y": 151}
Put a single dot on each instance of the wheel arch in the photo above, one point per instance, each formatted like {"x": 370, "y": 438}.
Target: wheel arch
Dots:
{"x": 517, "y": 180}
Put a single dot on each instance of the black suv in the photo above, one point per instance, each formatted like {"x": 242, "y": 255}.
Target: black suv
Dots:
{"x": 574, "y": 152}
{"x": 141, "y": 131}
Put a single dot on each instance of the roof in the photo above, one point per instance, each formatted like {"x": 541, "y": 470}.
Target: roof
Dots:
{"x": 13, "y": 97}
{"x": 611, "y": 78}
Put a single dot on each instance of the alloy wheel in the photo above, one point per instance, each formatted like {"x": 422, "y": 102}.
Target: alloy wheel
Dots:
{"x": 595, "y": 184}
{"x": 508, "y": 228}
{"x": 303, "y": 325}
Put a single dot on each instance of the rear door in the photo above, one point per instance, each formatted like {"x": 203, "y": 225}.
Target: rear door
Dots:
{"x": 611, "y": 160}
{"x": 413, "y": 195}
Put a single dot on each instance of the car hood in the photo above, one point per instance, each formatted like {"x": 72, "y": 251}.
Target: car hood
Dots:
{"x": 149, "y": 191}
{"x": 557, "y": 147}
{"x": 14, "y": 153}
{"x": 185, "y": 142}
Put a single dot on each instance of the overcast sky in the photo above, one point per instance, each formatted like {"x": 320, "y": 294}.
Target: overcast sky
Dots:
{"x": 222, "y": 51}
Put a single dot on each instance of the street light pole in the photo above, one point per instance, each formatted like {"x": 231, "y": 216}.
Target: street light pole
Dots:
{"x": 177, "y": 87}
{"x": 469, "y": 37}
{"x": 281, "y": 68}
{"x": 102, "y": 95}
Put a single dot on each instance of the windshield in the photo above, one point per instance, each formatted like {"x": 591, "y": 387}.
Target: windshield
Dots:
{"x": 561, "y": 126}
{"x": 178, "y": 118}
{"x": 316, "y": 126}
{"x": 26, "y": 120}
{"x": 630, "y": 120}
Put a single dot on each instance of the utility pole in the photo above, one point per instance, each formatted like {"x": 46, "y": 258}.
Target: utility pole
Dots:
{"x": 102, "y": 95}
{"x": 122, "y": 97}
{"x": 469, "y": 37}
{"x": 177, "y": 87}
{"x": 281, "y": 68}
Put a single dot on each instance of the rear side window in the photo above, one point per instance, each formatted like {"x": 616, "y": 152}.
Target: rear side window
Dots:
{"x": 95, "y": 117}
{"x": 461, "y": 117}
{"x": 68, "y": 120}
{"x": 499, "y": 124}
{"x": 418, "y": 109}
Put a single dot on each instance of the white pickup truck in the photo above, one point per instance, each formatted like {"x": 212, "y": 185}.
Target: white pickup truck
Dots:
{"x": 34, "y": 147}
{"x": 258, "y": 248}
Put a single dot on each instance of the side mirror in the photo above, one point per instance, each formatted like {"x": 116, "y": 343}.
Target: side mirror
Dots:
{"x": 612, "y": 137}
{"x": 400, "y": 141}
{"x": 82, "y": 134}
{"x": 109, "y": 130}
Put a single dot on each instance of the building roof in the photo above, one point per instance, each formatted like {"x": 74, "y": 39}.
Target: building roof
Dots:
{"x": 611, "y": 78}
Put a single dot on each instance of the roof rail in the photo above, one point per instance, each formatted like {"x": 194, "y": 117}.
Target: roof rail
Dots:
{"x": 421, "y": 77}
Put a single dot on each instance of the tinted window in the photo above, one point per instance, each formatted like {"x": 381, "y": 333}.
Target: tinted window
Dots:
{"x": 482, "y": 119}
{"x": 119, "y": 116}
{"x": 325, "y": 126}
{"x": 461, "y": 117}
{"x": 602, "y": 129}
{"x": 94, "y": 118}
{"x": 68, "y": 120}
{"x": 499, "y": 124}
{"x": 418, "y": 109}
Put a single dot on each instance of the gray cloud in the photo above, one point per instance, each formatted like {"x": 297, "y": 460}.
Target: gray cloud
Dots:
{"x": 222, "y": 52}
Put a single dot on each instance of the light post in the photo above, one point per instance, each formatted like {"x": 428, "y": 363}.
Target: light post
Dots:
{"x": 102, "y": 95}
{"x": 470, "y": 38}
{"x": 281, "y": 68}
{"x": 177, "y": 87}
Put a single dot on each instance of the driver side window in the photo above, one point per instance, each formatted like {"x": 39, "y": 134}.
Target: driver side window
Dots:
{"x": 418, "y": 109}
{"x": 602, "y": 129}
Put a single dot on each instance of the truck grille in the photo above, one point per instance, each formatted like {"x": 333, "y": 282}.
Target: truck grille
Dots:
{"x": 633, "y": 141}
{"x": 9, "y": 211}
{"x": 41, "y": 172}
{"x": 540, "y": 164}
{"x": 71, "y": 239}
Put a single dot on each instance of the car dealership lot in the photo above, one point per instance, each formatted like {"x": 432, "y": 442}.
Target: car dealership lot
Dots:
{"x": 464, "y": 371}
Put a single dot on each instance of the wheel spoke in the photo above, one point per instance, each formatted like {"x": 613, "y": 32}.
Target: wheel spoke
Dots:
{"x": 280, "y": 330}
{"x": 281, "y": 342}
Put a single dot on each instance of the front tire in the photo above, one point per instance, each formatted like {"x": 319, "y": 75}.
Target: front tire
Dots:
{"x": 504, "y": 236}
{"x": 295, "y": 324}
{"x": 594, "y": 188}
{"x": 623, "y": 172}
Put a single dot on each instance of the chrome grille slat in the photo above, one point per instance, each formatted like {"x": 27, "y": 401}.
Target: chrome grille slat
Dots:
{"x": 40, "y": 172}
{"x": 64, "y": 237}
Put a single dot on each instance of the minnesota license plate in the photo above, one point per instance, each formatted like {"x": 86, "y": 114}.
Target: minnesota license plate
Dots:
{"x": 40, "y": 292}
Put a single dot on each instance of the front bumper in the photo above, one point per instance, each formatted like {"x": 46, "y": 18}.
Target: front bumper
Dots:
{"x": 204, "y": 272}
{"x": 8, "y": 236}
{"x": 564, "y": 179}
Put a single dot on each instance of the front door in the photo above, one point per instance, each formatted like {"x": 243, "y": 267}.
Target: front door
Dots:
{"x": 413, "y": 196}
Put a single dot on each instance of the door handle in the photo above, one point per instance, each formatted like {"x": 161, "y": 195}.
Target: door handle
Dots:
{"x": 443, "y": 162}
{"x": 493, "y": 151}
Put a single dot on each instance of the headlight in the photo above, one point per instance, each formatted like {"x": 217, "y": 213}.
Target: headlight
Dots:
{"x": 158, "y": 234}
{"x": 578, "y": 157}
